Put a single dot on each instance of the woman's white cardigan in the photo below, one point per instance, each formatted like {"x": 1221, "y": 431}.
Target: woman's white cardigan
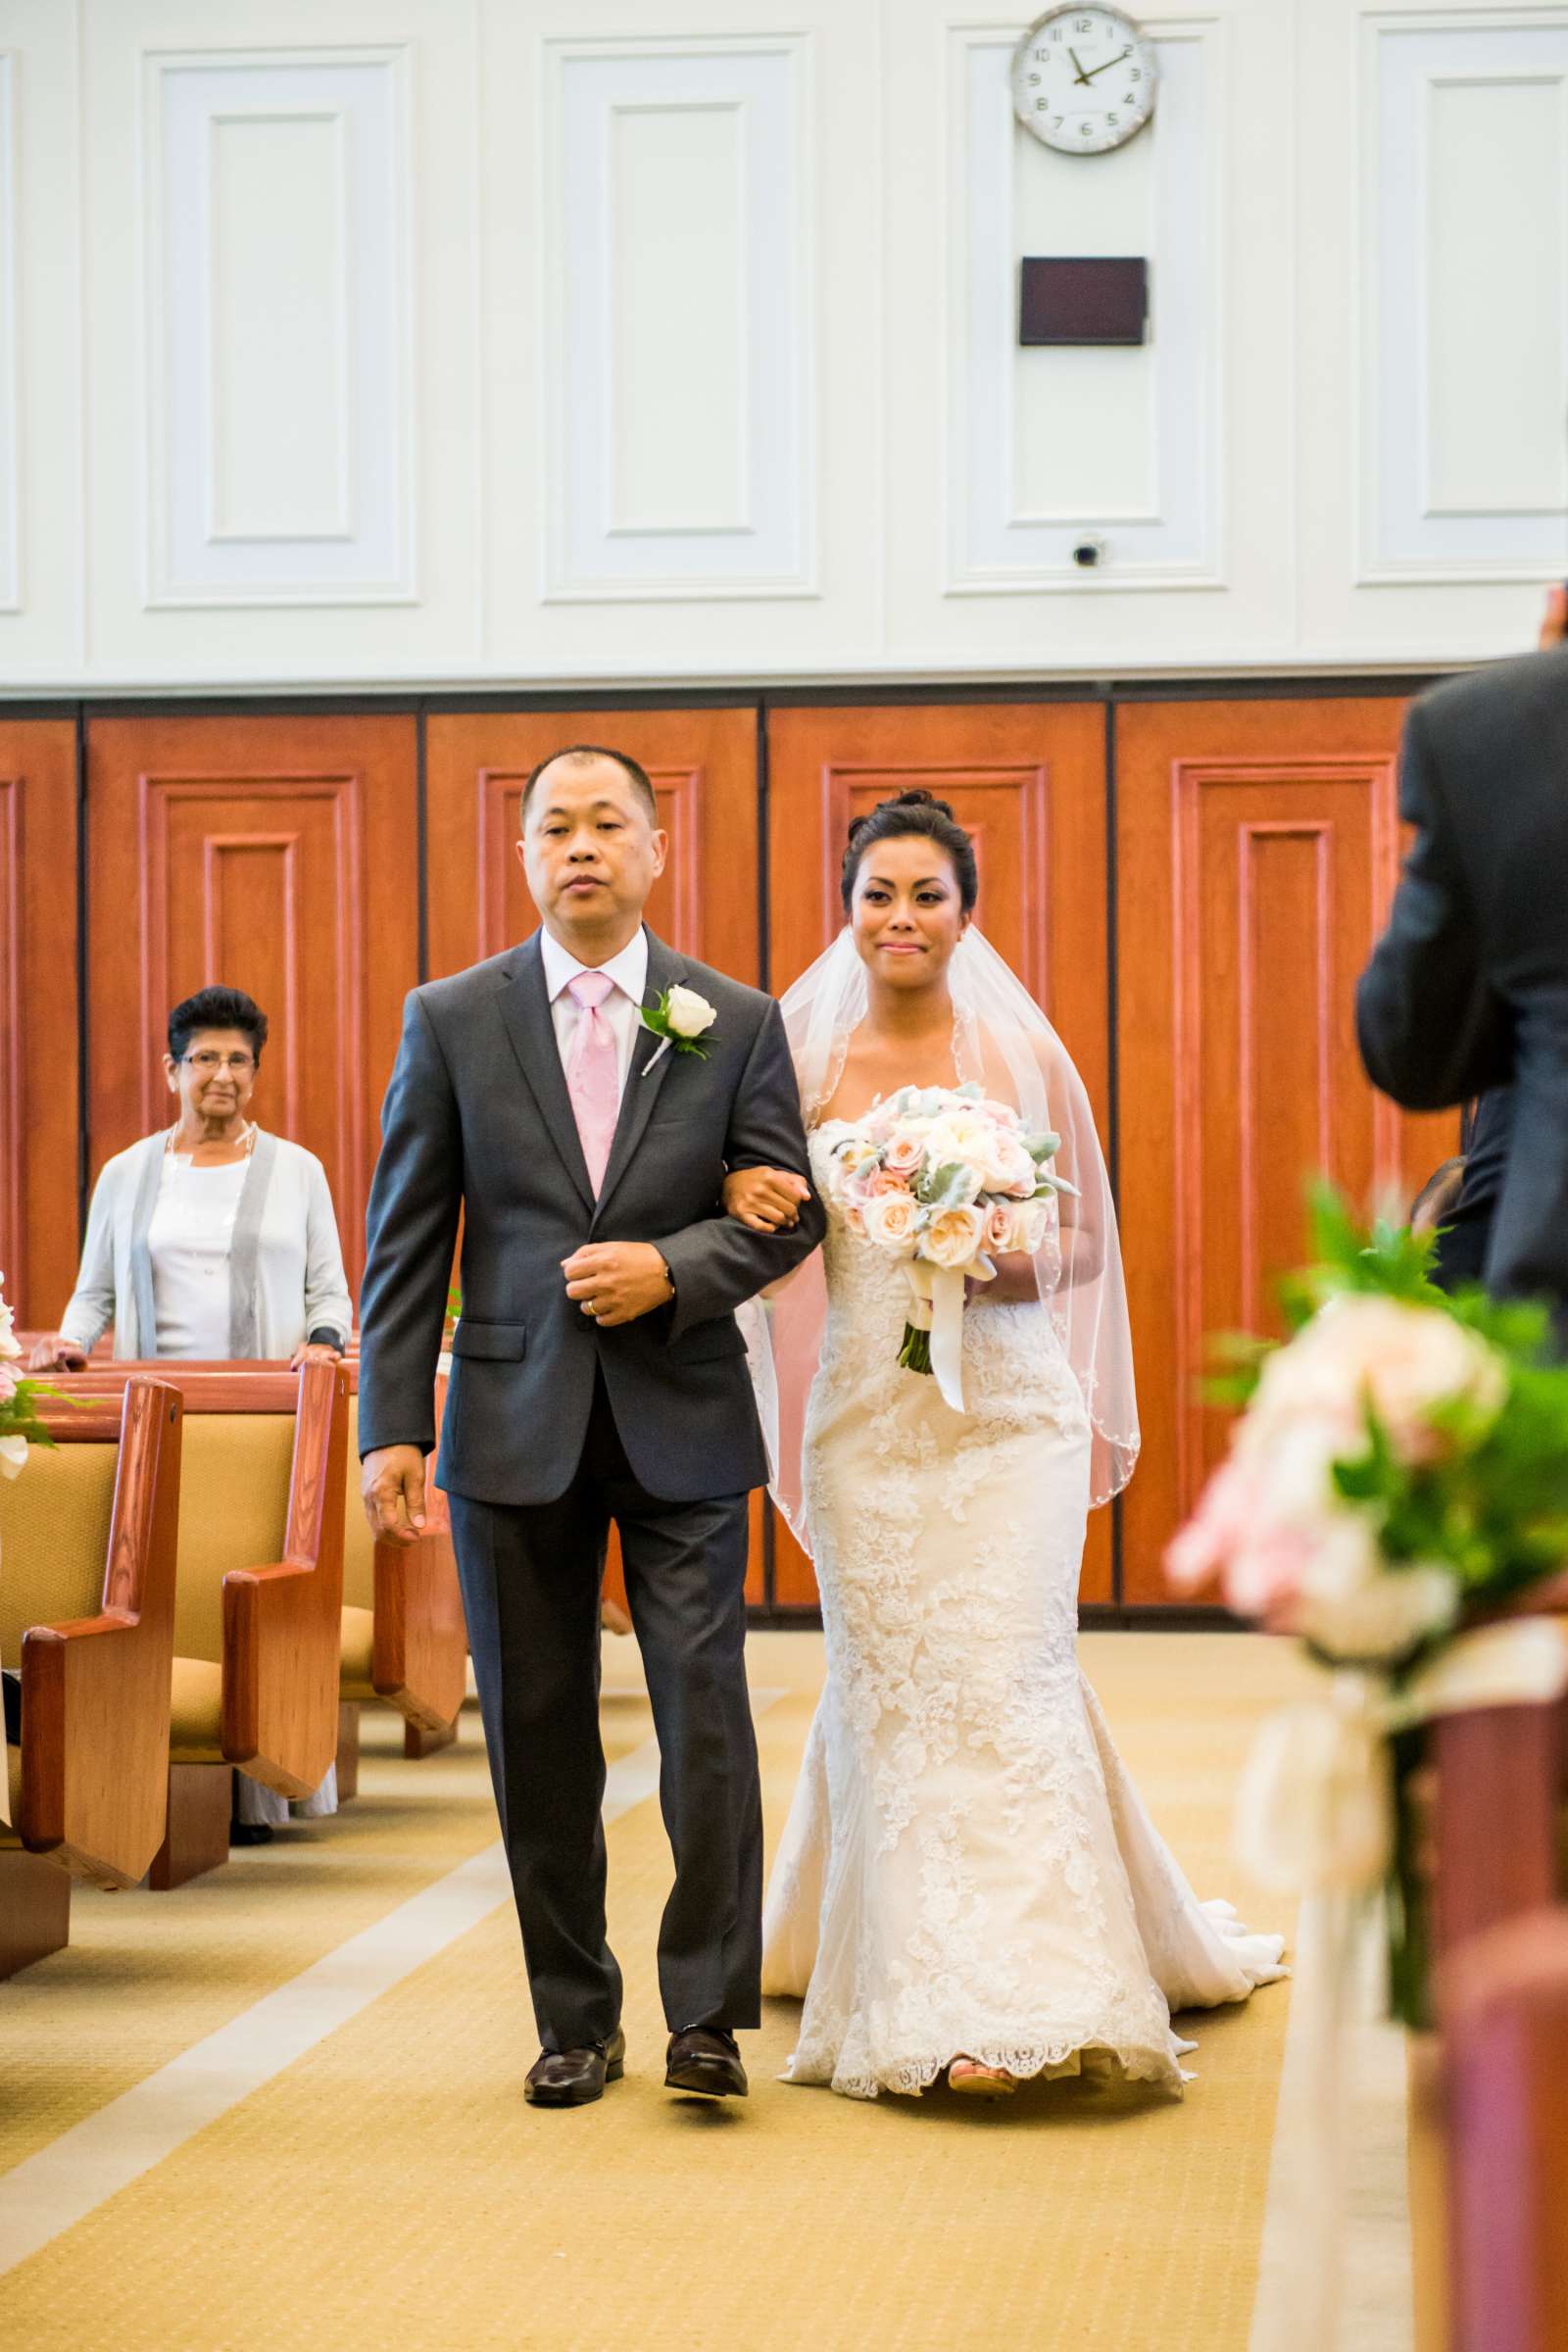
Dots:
{"x": 285, "y": 1267}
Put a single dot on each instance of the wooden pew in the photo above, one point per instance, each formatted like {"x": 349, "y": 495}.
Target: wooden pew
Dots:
{"x": 1500, "y": 1939}
{"x": 404, "y": 1635}
{"x": 258, "y": 1599}
{"x": 87, "y": 1572}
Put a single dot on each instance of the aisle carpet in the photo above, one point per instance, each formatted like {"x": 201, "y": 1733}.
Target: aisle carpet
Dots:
{"x": 390, "y": 2182}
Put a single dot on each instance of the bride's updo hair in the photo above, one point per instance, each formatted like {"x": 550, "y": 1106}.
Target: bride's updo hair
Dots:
{"x": 908, "y": 812}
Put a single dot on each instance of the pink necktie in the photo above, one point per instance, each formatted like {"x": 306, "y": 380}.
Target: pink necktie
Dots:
{"x": 593, "y": 1073}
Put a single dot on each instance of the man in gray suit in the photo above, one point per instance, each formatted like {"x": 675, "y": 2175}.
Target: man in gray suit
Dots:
{"x": 598, "y": 1374}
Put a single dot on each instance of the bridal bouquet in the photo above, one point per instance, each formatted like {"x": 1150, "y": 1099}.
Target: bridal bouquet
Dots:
{"x": 943, "y": 1179}
{"x": 1399, "y": 1472}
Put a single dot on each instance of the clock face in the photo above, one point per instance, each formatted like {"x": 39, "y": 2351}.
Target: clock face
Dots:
{"x": 1083, "y": 79}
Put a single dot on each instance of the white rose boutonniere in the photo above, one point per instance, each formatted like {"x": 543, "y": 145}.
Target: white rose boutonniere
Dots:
{"x": 679, "y": 1018}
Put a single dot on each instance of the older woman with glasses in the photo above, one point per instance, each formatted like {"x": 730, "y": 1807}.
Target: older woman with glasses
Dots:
{"x": 212, "y": 1239}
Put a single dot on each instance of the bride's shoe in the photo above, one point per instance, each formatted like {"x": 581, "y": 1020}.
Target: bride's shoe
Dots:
{"x": 976, "y": 2081}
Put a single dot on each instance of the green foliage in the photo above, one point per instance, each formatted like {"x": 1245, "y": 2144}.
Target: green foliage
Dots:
{"x": 18, "y": 1416}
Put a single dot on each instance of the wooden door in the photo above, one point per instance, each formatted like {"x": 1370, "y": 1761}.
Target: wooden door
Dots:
{"x": 1258, "y": 848}
{"x": 38, "y": 1011}
{"x": 702, "y": 768}
{"x": 274, "y": 853}
{"x": 1029, "y": 782}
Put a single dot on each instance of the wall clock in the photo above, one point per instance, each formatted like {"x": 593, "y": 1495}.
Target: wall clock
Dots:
{"x": 1084, "y": 79}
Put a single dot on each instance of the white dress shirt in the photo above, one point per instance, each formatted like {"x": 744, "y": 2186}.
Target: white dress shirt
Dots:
{"x": 629, "y": 972}
{"x": 189, "y": 1241}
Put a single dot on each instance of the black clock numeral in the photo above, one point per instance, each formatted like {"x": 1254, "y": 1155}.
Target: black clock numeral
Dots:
{"x": 1034, "y": 82}
{"x": 1112, "y": 120}
{"x": 1083, "y": 24}
{"x": 1137, "y": 74}
{"x": 1087, "y": 129}
{"x": 1059, "y": 120}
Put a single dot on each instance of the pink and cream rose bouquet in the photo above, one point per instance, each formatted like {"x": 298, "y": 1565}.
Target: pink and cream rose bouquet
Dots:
{"x": 945, "y": 1180}
{"x": 1396, "y": 1486}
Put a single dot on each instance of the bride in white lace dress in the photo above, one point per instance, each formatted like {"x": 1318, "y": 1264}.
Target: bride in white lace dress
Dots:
{"x": 969, "y": 1883}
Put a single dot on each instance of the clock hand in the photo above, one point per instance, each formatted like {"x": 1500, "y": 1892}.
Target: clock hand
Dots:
{"x": 1080, "y": 75}
{"x": 1105, "y": 69}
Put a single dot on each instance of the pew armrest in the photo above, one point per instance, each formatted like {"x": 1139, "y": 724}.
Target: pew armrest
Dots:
{"x": 95, "y": 1689}
{"x": 282, "y": 1628}
{"x": 420, "y": 1649}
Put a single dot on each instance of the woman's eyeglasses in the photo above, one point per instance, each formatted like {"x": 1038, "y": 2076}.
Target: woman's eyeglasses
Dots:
{"x": 207, "y": 1063}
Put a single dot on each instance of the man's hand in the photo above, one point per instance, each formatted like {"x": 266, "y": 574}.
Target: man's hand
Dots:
{"x": 615, "y": 1282}
{"x": 313, "y": 1352}
{"x": 392, "y": 1490}
{"x": 1555, "y": 622}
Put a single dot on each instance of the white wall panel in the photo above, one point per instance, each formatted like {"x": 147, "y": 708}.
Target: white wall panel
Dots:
{"x": 281, "y": 300}
{"x": 1466, "y": 454}
{"x": 40, "y": 356}
{"x": 10, "y": 406}
{"x": 1050, "y": 443}
{"x": 422, "y": 341}
{"x": 678, "y": 337}
{"x": 280, "y": 310}
{"x": 684, "y": 397}
{"x": 1001, "y": 458}
{"x": 678, "y": 289}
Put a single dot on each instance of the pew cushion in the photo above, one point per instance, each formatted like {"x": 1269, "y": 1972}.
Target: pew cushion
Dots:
{"x": 196, "y": 1713}
{"x": 54, "y": 1540}
{"x": 10, "y": 1835}
{"x": 359, "y": 1544}
{"x": 358, "y": 1635}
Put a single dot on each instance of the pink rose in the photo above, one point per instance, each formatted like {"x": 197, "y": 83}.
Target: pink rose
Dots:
{"x": 886, "y": 1180}
{"x": 904, "y": 1154}
{"x": 999, "y": 1227}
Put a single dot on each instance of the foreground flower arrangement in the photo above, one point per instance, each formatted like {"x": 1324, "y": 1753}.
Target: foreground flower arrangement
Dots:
{"x": 19, "y": 1425}
{"x": 945, "y": 1180}
{"x": 1399, "y": 1472}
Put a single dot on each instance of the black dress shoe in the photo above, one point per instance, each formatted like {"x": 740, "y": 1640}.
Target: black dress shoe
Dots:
{"x": 707, "y": 2060}
{"x": 575, "y": 2077}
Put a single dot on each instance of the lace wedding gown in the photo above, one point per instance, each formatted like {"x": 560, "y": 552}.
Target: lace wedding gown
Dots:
{"x": 967, "y": 1866}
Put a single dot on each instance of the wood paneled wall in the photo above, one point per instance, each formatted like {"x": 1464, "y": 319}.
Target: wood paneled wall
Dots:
{"x": 277, "y": 854}
{"x": 39, "y": 1014}
{"x": 1257, "y": 848}
{"x": 1188, "y": 886}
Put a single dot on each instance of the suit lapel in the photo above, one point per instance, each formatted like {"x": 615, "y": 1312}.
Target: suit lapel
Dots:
{"x": 525, "y": 1010}
{"x": 643, "y": 1084}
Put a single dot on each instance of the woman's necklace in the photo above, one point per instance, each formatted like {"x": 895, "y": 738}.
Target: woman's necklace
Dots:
{"x": 247, "y": 1142}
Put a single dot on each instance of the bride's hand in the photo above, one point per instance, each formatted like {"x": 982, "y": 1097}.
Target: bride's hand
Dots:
{"x": 1017, "y": 1283}
{"x": 767, "y": 1199}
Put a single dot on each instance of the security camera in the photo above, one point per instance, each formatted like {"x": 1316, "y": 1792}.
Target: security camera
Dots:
{"x": 1088, "y": 553}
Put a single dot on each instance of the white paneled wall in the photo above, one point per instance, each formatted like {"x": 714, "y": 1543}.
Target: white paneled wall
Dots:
{"x": 279, "y": 330}
{"x": 426, "y": 342}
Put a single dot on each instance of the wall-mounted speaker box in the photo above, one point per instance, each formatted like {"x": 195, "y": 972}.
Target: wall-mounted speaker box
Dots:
{"x": 1100, "y": 300}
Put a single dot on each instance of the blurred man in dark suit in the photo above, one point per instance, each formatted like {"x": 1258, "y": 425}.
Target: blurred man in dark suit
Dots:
{"x": 1467, "y": 991}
